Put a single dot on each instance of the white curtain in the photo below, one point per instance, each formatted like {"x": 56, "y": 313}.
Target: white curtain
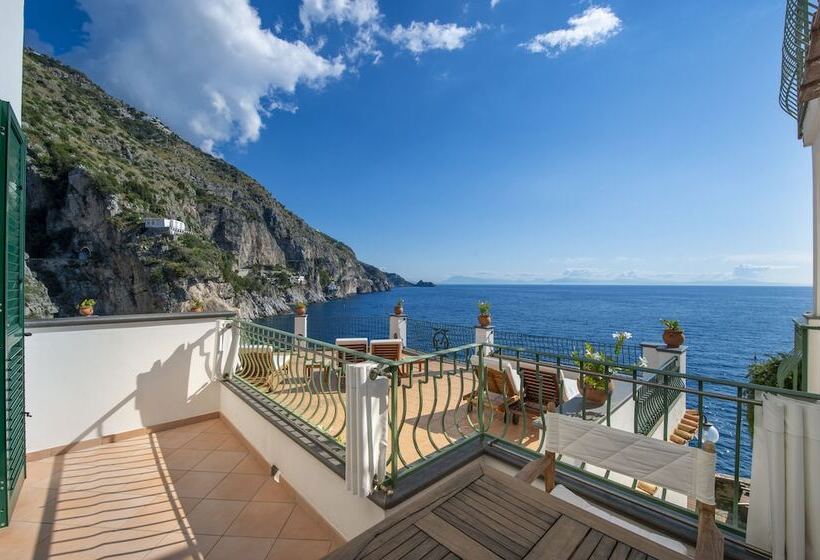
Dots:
{"x": 784, "y": 513}
{"x": 366, "y": 428}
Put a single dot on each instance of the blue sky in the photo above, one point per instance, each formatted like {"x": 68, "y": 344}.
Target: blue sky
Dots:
{"x": 641, "y": 142}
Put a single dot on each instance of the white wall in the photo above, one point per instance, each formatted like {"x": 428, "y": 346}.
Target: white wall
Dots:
{"x": 11, "y": 54}
{"x": 90, "y": 380}
{"x": 320, "y": 487}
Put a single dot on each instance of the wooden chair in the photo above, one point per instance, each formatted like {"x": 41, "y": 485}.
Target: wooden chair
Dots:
{"x": 260, "y": 365}
{"x": 389, "y": 349}
{"x": 502, "y": 390}
{"x": 355, "y": 344}
{"x": 710, "y": 541}
{"x": 541, "y": 387}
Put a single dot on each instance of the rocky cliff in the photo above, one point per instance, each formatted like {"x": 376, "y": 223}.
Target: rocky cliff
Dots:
{"x": 98, "y": 167}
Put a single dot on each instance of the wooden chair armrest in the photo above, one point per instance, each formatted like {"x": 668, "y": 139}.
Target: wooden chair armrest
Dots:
{"x": 543, "y": 465}
{"x": 710, "y": 539}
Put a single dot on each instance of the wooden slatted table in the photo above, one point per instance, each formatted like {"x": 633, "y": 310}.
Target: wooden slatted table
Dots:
{"x": 480, "y": 513}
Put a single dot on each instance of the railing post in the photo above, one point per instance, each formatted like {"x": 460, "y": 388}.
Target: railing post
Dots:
{"x": 649, "y": 351}
{"x": 398, "y": 328}
{"x": 300, "y": 325}
{"x": 233, "y": 349}
{"x": 811, "y": 350}
{"x": 485, "y": 337}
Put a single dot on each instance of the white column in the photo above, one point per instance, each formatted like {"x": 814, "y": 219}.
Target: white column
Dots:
{"x": 485, "y": 335}
{"x": 300, "y": 325}
{"x": 813, "y": 350}
{"x": 811, "y": 137}
{"x": 658, "y": 354}
{"x": 398, "y": 328}
{"x": 815, "y": 164}
{"x": 229, "y": 331}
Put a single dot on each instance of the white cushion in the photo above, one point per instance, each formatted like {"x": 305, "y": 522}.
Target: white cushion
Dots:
{"x": 506, "y": 366}
{"x": 563, "y": 493}
{"x": 345, "y": 341}
{"x": 385, "y": 342}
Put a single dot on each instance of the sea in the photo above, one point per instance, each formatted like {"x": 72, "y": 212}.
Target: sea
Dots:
{"x": 727, "y": 327}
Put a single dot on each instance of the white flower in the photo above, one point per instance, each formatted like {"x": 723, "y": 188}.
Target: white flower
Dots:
{"x": 622, "y": 335}
{"x": 627, "y": 335}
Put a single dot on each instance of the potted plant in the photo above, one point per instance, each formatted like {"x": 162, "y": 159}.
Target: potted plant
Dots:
{"x": 197, "y": 306}
{"x": 484, "y": 318}
{"x": 398, "y": 309}
{"x": 300, "y": 308}
{"x": 595, "y": 365}
{"x": 86, "y": 307}
{"x": 673, "y": 333}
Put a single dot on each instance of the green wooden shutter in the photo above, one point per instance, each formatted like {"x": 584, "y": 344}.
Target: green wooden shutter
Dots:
{"x": 12, "y": 419}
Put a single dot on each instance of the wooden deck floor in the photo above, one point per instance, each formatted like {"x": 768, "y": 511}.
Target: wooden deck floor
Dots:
{"x": 479, "y": 513}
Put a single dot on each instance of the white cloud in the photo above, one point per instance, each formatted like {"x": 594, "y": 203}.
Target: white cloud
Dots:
{"x": 419, "y": 37}
{"x": 494, "y": 3}
{"x": 366, "y": 16}
{"x": 592, "y": 27}
{"x": 209, "y": 69}
{"x": 357, "y": 12}
{"x": 32, "y": 40}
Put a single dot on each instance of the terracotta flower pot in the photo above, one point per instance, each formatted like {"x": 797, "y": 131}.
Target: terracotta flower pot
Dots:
{"x": 673, "y": 339}
{"x": 484, "y": 320}
{"x": 398, "y": 310}
{"x": 86, "y": 311}
{"x": 301, "y": 310}
{"x": 595, "y": 397}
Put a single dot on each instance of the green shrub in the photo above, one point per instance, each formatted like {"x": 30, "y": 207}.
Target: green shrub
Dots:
{"x": 765, "y": 373}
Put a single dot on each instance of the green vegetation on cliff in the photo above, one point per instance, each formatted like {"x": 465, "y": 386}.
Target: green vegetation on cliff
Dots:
{"x": 98, "y": 167}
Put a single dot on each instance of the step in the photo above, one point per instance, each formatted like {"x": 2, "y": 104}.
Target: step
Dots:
{"x": 688, "y": 428}
{"x": 647, "y": 487}
{"x": 682, "y": 434}
{"x": 689, "y": 423}
{"x": 677, "y": 439}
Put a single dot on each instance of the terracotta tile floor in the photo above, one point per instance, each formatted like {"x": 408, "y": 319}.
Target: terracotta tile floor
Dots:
{"x": 189, "y": 492}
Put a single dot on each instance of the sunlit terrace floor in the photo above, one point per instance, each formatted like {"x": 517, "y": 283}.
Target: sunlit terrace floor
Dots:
{"x": 431, "y": 405}
{"x": 190, "y": 492}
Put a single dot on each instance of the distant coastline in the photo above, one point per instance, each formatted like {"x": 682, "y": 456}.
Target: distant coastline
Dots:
{"x": 474, "y": 281}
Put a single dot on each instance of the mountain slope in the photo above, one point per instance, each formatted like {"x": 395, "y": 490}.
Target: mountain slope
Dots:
{"x": 97, "y": 168}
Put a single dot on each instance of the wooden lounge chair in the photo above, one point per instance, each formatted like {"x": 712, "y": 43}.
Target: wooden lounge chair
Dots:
{"x": 260, "y": 365}
{"x": 390, "y": 349}
{"x": 597, "y": 444}
{"x": 355, "y": 344}
{"x": 502, "y": 389}
{"x": 541, "y": 387}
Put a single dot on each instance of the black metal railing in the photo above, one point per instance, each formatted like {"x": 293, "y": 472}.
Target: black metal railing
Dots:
{"x": 796, "y": 38}
{"x": 429, "y": 336}
{"x": 528, "y": 345}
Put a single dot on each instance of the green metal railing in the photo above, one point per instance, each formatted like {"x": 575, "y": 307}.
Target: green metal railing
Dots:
{"x": 652, "y": 403}
{"x": 796, "y": 36}
{"x": 792, "y": 373}
{"x": 302, "y": 376}
{"x": 441, "y": 400}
